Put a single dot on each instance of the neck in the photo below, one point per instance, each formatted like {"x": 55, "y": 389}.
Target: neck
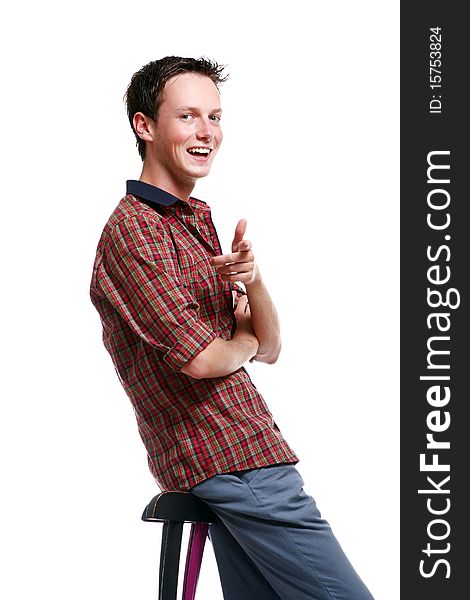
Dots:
{"x": 158, "y": 178}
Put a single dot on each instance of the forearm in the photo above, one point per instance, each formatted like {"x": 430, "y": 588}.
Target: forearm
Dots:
{"x": 240, "y": 266}
{"x": 265, "y": 321}
{"x": 222, "y": 357}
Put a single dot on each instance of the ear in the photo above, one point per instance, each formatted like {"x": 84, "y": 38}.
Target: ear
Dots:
{"x": 143, "y": 126}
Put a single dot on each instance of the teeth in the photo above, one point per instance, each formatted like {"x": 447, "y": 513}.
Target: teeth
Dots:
{"x": 199, "y": 150}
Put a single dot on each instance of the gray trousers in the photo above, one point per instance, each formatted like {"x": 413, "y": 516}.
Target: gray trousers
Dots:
{"x": 272, "y": 543}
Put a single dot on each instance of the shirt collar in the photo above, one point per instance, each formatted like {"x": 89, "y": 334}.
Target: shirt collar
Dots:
{"x": 154, "y": 195}
{"x": 149, "y": 192}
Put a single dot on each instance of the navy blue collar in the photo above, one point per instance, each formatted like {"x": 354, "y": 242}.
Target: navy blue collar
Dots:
{"x": 149, "y": 192}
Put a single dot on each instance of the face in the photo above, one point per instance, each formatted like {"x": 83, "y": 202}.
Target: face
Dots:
{"x": 187, "y": 132}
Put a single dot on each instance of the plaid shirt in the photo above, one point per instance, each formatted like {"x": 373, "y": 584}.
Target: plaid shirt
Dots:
{"x": 160, "y": 304}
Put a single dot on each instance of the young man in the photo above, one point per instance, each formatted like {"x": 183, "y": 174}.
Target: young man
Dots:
{"x": 179, "y": 330}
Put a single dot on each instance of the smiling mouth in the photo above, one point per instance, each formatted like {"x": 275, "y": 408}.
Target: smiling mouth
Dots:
{"x": 200, "y": 152}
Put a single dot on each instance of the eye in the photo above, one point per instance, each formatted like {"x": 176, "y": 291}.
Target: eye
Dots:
{"x": 186, "y": 117}
{"x": 215, "y": 118}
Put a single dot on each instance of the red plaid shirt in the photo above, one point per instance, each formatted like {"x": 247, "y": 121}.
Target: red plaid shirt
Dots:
{"x": 160, "y": 304}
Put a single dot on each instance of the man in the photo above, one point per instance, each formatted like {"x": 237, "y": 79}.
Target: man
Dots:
{"x": 179, "y": 330}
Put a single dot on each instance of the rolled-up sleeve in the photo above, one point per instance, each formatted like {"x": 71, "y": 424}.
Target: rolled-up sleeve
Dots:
{"x": 141, "y": 280}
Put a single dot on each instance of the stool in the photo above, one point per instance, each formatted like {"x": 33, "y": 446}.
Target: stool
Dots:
{"x": 173, "y": 509}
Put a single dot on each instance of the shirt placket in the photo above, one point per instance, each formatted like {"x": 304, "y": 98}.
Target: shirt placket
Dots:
{"x": 189, "y": 220}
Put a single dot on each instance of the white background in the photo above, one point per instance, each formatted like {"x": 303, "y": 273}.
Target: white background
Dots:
{"x": 310, "y": 159}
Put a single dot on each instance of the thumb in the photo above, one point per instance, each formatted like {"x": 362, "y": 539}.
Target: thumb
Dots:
{"x": 239, "y": 233}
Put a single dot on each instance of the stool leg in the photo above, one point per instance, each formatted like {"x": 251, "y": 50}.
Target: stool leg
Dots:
{"x": 169, "y": 560}
{"x": 197, "y": 540}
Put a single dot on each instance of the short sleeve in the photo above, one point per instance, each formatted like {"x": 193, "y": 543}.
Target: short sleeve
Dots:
{"x": 140, "y": 278}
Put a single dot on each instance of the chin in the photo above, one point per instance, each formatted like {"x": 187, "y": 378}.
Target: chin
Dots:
{"x": 198, "y": 173}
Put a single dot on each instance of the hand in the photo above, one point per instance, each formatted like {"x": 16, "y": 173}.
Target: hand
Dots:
{"x": 244, "y": 324}
{"x": 240, "y": 264}
{"x": 243, "y": 316}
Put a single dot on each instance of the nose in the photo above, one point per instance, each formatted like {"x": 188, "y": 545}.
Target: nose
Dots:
{"x": 205, "y": 130}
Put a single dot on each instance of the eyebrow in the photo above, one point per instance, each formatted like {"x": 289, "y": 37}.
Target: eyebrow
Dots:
{"x": 195, "y": 109}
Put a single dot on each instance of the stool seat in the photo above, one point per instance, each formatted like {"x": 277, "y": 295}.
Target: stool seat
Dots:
{"x": 178, "y": 506}
{"x": 173, "y": 509}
